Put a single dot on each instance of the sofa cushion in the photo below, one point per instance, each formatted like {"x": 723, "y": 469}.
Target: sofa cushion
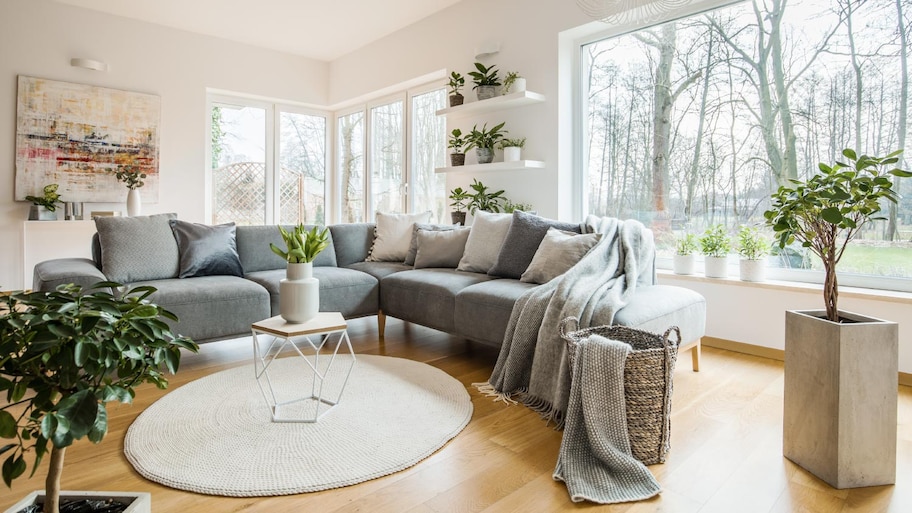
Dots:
{"x": 393, "y": 235}
{"x": 137, "y": 248}
{"x": 655, "y": 308}
{"x": 380, "y": 270}
{"x": 206, "y": 250}
{"x": 483, "y": 310}
{"x": 558, "y": 252}
{"x": 485, "y": 240}
{"x": 351, "y": 242}
{"x": 253, "y": 248}
{"x": 351, "y": 292}
{"x": 212, "y": 307}
{"x": 523, "y": 238}
{"x": 413, "y": 247}
{"x": 426, "y": 296}
{"x": 440, "y": 248}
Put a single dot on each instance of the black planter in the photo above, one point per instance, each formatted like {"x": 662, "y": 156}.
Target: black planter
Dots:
{"x": 457, "y": 159}
{"x": 458, "y": 218}
{"x": 456, "y": 99}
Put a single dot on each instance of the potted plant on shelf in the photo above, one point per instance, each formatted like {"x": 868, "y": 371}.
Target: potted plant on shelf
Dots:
{"x": 457, "y": 143}
{"x": 65, "y": 355}
{"x": 481, "y": 199}
{"x": 715, "y": 245}
{"x": 44, "y": 207}
{"x": 840, "y": 367}
{"x": 456, "y": 82}
{"x": 684, "y": 260}
{"x": 299, "y": 292}
{"x": 513, "y": 83}
{"x": 509, "y": 207}
{"x": 459, "y": 198}
{"x": 132, "y": 177}
{"x": 753, "y": 248}
{"x": 484, "y": 141}
{"x": 512, "y": 149}
{"x": 485, "y": 80}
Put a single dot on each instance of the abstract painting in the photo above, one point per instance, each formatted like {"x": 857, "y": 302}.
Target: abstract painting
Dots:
{"x": 78, "y": 135}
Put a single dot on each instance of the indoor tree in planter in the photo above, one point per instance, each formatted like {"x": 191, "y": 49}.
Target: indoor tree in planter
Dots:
{"x": 457, "y": 143}
{"x": 512, "y": 149}
{"x": 685, "y": 247}
{"x": 63, "y": 356}
{"x": 484, "y": 141}
{"x": 840, "y": 367}
{"x": 456, "y": 82}
{"x": 715, "y": 245}
{"x": 299, "y": 292}
{"x": 486, "y": 81}
{"x": 753, "y": 248}
{"x": 483, "y": 199}
{"x": 460, "y": 198}
{"x": 44, "y": 207}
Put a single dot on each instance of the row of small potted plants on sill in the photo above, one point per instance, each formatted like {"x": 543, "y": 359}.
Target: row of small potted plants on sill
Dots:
{"x": 715, "y": 245}
{"x": 484, "y": 141}
{"x": 486, "y": 82}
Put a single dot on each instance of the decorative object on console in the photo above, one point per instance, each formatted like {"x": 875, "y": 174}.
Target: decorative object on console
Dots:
{"x": 456, "y": 82}
{"x": 299, "y": 292}
{"x": 513, "y": 83}
{"x": 753, "y": 247}
{"x": 715, "y": 245}
{"x": 457, "y": 143}
{"x": 44, "y": 207}
{"x": 485, "y": 80}
{"x": 840, "y": 394}
{"x": 512, "y": 149}
{"x": 685, "y": 247}
{"x": 484, "y": 141}
{"x": 132, "y": 177}
{"x": 206, "y": 250}
{"x": 89, "y": 143}
{"x": 460, "y": 198}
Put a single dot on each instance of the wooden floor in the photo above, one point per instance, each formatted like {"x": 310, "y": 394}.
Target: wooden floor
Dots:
{"x": 725, "y": 457}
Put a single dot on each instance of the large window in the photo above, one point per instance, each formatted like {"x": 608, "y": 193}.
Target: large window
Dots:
{"x": 268, "y": 163}
{"x": 696, "y": 121}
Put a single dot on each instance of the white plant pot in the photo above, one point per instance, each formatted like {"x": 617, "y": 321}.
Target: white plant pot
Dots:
{"x": 753, "y": 270}
{"x": 512, "y": 154}
{"x": 299, "y": 294}
{"x": 40, "y": 213}
{"x": 715, "y": 267}
{"x": 518, "y": 85}
{"x": 684, "y": 264}
{"x": 142, "y": 501}
{"x": 134, "y": 203}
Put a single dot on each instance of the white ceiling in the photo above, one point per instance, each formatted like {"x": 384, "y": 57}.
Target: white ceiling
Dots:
{"x": 318, "y": 29}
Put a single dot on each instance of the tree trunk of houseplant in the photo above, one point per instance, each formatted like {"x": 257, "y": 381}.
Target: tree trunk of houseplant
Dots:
{"x": 52, "y": 482}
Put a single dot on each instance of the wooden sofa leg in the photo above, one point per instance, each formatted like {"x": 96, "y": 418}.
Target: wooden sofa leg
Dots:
{"x": 381, "y": 323}
{"x": 695, "y": 355}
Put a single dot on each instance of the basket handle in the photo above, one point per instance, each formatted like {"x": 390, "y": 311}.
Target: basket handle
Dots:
{"x": 564, "y": 326}
{"x": 669, "y": 331}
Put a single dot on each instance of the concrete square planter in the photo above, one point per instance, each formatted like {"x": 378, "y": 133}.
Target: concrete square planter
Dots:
{"x": 839, "y": 417}
{"x": 142, "y": 501}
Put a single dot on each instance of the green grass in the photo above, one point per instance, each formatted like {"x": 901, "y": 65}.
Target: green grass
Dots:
{"x": 883, "y": 261}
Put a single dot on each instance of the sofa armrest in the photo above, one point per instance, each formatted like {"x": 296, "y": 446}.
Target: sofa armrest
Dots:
{"x": 51, "y": 273}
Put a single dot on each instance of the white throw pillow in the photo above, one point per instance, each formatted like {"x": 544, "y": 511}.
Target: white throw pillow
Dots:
{"x": 485, "y": 239}
{"x": 557, "y": 253}
{"x": 393, "y": 235}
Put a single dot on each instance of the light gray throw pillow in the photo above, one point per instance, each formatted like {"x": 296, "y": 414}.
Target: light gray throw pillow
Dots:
{"x": 523, "y": 238}
{"x": 413, "y": 248}
{"x": 137, "y": 248}
{"x": 557, "y": 253}
{"x": 485, "y": 240}
{"x": 393, "y": 234}
{"x": 441, "y": 248}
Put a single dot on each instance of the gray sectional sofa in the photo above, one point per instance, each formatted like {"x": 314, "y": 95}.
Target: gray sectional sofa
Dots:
{"x": 472, "y": 305}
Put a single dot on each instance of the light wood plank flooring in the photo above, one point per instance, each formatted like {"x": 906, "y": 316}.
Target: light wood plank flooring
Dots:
{"x": 726, "y": 447}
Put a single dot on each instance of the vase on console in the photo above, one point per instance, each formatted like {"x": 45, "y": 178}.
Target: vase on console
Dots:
{"x": 132, "y": 176}
{"x": 299, "y": 293}
{"x": 134, "y": 203}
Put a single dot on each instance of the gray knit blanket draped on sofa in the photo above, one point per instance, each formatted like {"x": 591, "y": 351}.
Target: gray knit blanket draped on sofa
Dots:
{"x": 533, "y": 365}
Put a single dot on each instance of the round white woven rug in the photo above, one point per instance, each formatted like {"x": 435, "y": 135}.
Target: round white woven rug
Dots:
{"x": 215, "y": 435}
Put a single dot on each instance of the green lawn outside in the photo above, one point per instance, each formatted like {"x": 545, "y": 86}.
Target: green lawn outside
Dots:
{"x": 883, "y": 261}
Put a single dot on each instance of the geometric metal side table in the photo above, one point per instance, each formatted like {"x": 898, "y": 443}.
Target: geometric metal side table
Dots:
{"x": 311, "y": 336}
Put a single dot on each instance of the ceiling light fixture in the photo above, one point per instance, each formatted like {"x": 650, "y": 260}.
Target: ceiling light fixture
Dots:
{"x": 91, "y": 64}
{"x": 487, "y": 49}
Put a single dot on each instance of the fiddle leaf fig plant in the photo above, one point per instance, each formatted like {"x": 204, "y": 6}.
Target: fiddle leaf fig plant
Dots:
{"x": 456, "y": 141}
{"x": 302, "y": 246}
{"x": 63, "y": 356}
{"x": 460, "y": 197}
{"x": 456, "y": 82}
{"x": 829, "y": 209}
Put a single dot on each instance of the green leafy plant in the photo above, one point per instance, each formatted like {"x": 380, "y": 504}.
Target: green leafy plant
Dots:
{"x": 484, "y": 76}
{"x": 829, "y": 209}
{"x": 456, "y": 82}
{"x": 686, "y": 244}
{"x": 457, "y": 142}
{"x": 63, "y": 356}
{"x": 131, "y": 176}
{"x": 460, "y": 197}
{"x": 752, "y": 243}
{"x": 509, "y": 207}
{"x": 509, "y": 79}
{"x": 481, "y": 199}
{"x": 48, "y": 200}
{"x": 715, "y": 242}
{"x": 513, "y": 143}
{"x": 485, "y": 138}
{"x": 302, "y": 246}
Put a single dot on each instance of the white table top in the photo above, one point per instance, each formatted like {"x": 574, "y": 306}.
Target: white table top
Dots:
{"x": 324, "y": 322}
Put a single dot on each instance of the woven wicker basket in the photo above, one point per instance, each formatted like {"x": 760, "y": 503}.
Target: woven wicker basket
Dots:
{"x": 647, "y": 383}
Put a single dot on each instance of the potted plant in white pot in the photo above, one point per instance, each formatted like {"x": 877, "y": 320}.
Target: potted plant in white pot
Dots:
{"x": 44, "y": 207}
{"x": 485, "y": 80}
{"x": 753, "y": 247}
{"x": 684, "y": 260}
{"x": 63, "y": 356}
{"x": 484, "y": 141}
{"x": 299, "y": 292}
{"x": 512, "y": 149}
{"x": 460, "y": 198}
{"x": 715, "y": 245}
{"x": 456, "y": 82}
{"x": 457, "y": 143}
{"x": 840, "y": 392}
{"x": 513, "y": 83}
{"x": 132, "y": 177}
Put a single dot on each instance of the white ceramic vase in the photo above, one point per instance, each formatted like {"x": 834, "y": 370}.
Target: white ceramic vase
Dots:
{"x": 684, "y": 264}
{"x": 512, "y": 154}
{"x": 519, "y": 85}
{"x": 715, "y": 267}
{"x": 753, "y": 270}
{"x": 299, "y": 293}
{"x": 134, "y": 203}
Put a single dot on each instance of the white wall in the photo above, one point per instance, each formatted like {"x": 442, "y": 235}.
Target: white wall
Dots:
{"x": 39, "y": 37}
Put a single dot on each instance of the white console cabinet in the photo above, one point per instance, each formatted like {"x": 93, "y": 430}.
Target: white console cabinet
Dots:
{"x": 44, "y": 240}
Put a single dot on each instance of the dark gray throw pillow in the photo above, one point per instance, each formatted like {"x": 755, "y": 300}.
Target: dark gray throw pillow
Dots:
{"x": 206, "y": 250}
{"x": 523, "y": 238}
{"x": 413, "y": 248}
